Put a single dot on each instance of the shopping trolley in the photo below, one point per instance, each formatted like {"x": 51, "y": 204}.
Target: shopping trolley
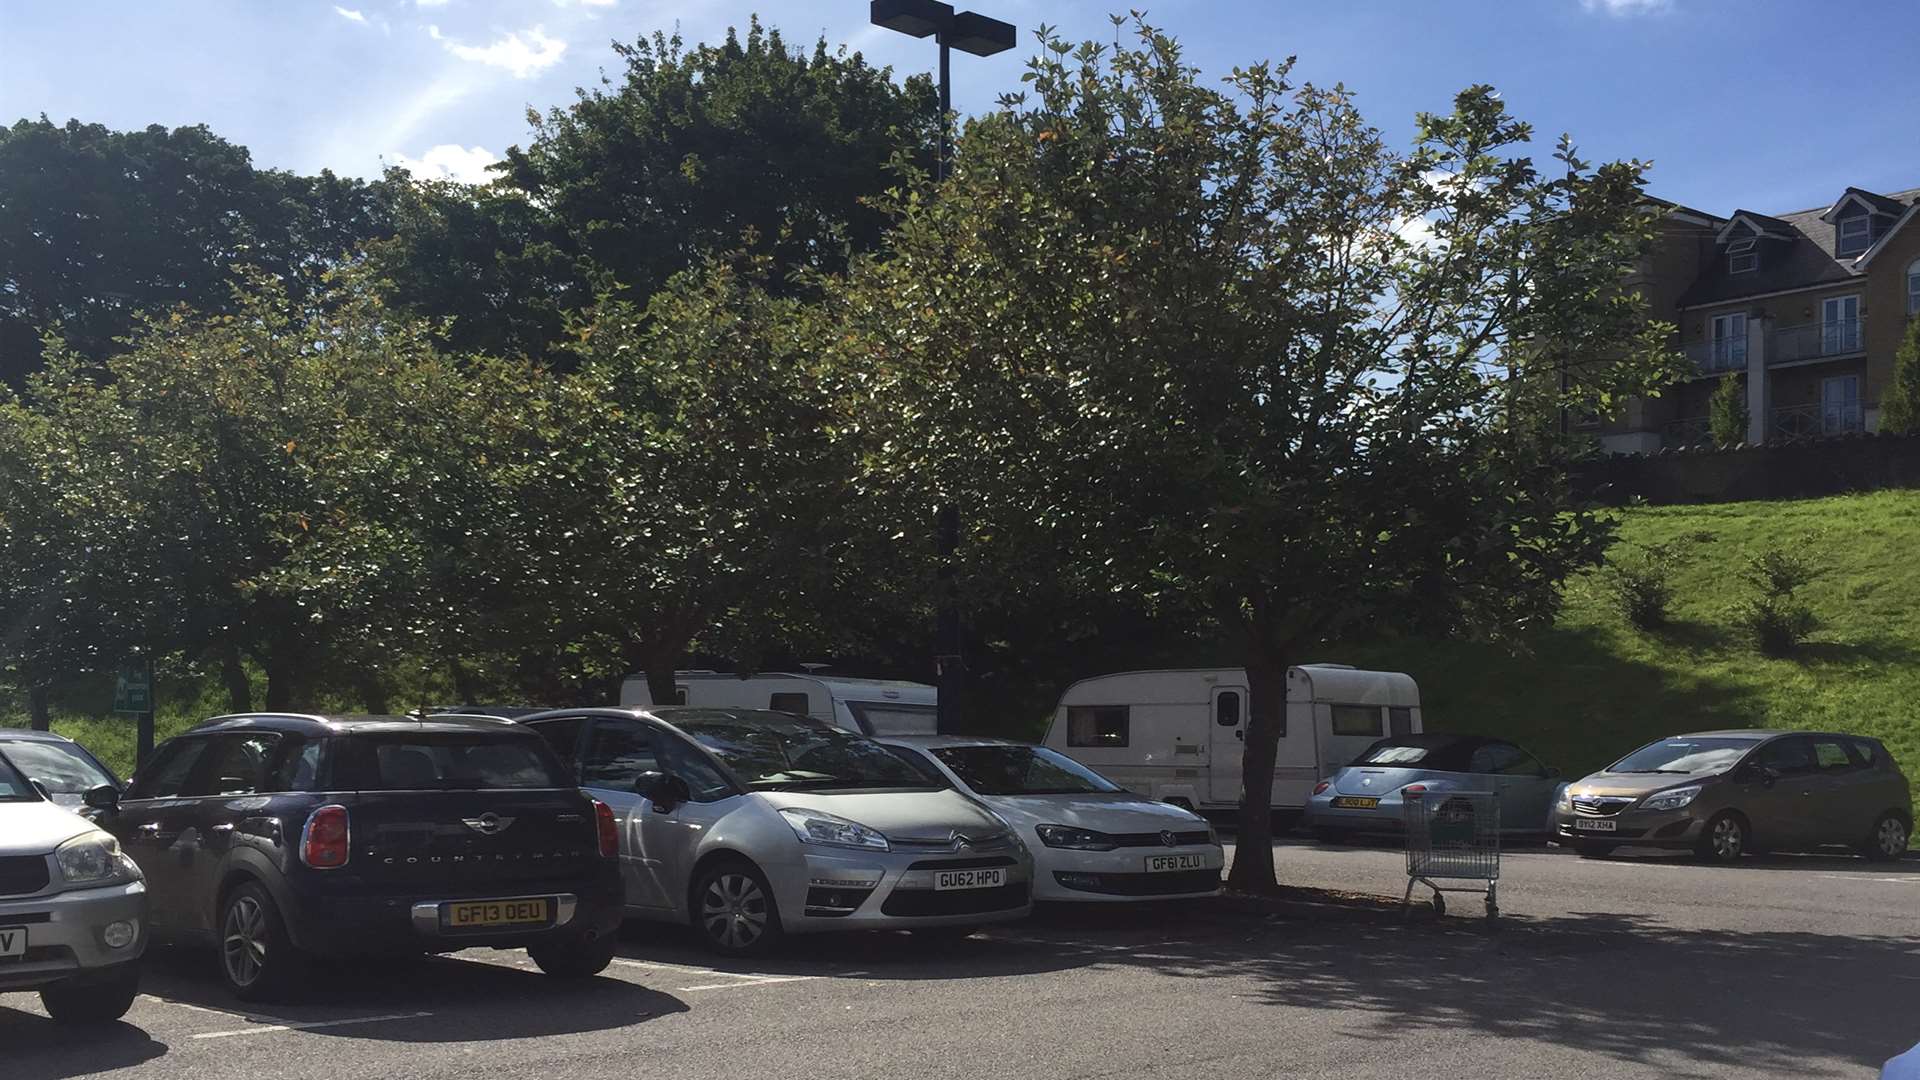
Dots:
{"x": 1453, "y": 836}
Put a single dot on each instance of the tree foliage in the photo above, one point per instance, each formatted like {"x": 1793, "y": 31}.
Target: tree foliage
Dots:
{"x": 1900, "y": 401}
{"x": 1223, "y": 352}
{"x": 98, "y": 226}
{"x": 1727, "y": 411}
{"x": 699, "y": 151}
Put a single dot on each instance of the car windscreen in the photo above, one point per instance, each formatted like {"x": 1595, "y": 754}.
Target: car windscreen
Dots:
{"x": 14, "y": 787}
{"x": 1437, "y": 755}
{"x": 1684, "y": 756}
{"x": 768, "y": 754}
{"x": 62, "y": 768}
{"x": 1021, "y": 770}
{"x": 447, "y": 761}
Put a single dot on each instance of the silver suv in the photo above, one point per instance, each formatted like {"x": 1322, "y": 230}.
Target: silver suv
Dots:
{"x": 73, "y": 907}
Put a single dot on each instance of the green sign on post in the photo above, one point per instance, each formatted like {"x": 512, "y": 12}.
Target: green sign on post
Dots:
{"x": 133, "y": 692}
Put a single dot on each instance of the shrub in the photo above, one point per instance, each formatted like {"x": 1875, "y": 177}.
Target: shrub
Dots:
{"x": 1777, "y": 619}
{"x": 1900, "y": 401}
{"x": 1641, "y": 585}
{"x": 1727, "y": 411}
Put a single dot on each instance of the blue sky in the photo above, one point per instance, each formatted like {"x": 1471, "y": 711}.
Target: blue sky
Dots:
{"x": 1766, "y": 104}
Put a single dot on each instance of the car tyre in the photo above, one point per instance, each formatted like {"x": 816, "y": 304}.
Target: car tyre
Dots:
{"x": 576, "y": 957}
{"x": 1725, "y": 839}
{"x": 1590, "y": 850}
{"x": 93, "y": 1001}
{"x": 1889, "y": 838}
{"x": 733, "y": 907}
{"x": 257, "y": 958}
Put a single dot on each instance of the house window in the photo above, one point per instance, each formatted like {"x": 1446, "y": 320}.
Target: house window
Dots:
{"x": 1856, "y": 235}
{"x": 1840, "y": 405}
{"x": 1742, "y": 258}
{"x": 1913, "y": 288}
{"x": 1097, "y": 725}
{"x": 1729, "y": 348}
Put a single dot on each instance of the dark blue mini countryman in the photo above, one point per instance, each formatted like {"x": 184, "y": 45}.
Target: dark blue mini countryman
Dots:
{"x": 276, "y": 838}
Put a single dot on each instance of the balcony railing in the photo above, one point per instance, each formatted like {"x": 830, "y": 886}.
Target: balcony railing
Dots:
{"x": 1813, "y": 421}
{"x": 1723, "y": 354}
{"x": 1693, "y": 431}
{"x": 1812, "y": 341}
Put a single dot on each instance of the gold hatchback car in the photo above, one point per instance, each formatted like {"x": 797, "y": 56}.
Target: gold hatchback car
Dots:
{"x": 1723, "y": 794}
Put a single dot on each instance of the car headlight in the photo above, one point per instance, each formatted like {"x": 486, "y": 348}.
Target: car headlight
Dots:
{"x": 94, "y": 858}
{"x": 816, "y": 827}
{"x": 1066, "y": 836}
{"x": 1671, "y": 800}
{"x": 1566, "y": 799}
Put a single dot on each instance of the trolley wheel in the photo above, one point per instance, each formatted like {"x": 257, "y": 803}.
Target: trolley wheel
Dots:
{"x": 1439, "y": 904}
{"x": 1493, "y": 909}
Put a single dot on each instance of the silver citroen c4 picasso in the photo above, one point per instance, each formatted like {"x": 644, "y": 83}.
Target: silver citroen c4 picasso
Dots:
{"x": 749, "y": 825}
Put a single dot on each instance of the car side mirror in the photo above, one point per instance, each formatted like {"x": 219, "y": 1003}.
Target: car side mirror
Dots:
{"x": 1553, "y": 773}
{"x": 105, "y": 797}
{"x": 664, "y": 790}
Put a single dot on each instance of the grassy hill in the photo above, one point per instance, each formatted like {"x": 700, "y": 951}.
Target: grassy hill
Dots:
{"x": 1594, "y": 687}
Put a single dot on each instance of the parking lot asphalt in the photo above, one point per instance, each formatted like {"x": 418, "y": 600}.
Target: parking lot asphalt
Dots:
{"x": 1641, "y": 966}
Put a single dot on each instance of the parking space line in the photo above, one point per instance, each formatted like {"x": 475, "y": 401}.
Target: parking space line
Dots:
{"x": 268, "y": 1029}
{"x": 757, "y": 980}
{"x": 687, "y": 968}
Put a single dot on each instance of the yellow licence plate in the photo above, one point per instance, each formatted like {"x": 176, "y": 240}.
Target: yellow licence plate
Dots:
{"x": 1350, "y": 803}
{"x": 473, "y": 914}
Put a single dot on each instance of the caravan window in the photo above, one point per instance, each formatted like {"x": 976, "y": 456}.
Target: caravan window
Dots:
{"x": 1097, "y": 725}
{"x": 789, "y": 703}
{"x": 894, "y": 718}
{"x": 1356, "y": 720}
{"x": 1402, "y": 720}
{"x": 1226, "y": 709}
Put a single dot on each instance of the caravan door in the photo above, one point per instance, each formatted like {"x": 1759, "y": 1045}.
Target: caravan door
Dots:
{"x": 1228, "y": 716}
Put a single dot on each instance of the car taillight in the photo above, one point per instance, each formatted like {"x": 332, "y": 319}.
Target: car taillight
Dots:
{"x": 1320, "y": 787}
{"x": 1413, "y": 791}
{"x": 327, "y": 839}
{"x": 609, "y": 829}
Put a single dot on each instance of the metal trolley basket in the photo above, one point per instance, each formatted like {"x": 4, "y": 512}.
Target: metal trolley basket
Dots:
{"x": 1453, "y": 836}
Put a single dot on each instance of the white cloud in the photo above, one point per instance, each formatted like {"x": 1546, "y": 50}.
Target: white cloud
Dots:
{"x": 449, "y": 161}
{"x": 1624, "y": 8}
{"x": 349, "y": 14}
{"x": 522, "y": 53}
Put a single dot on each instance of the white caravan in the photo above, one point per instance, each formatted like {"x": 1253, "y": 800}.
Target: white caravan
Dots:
{"x": 870, "y": 706}
{"x": 1178, "y": 736}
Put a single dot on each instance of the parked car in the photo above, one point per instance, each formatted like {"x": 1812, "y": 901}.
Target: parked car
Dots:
{"x": 1090, "y": 838}
{"x": 748, "y": 825}
{"x": 62, "y": 767}
{"x": 1366, "y": 796}
{"x": 279, "y": 837}
{"x": 1725, "y": 793}
{"x": 73, "y": 906}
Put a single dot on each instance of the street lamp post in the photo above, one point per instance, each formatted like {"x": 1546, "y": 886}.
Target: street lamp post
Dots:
{"x": 970, "y": 32}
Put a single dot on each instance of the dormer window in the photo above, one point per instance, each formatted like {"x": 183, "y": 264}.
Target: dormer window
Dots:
{"x": 1742, "y": 258}
{"x": 1855, "y": 235}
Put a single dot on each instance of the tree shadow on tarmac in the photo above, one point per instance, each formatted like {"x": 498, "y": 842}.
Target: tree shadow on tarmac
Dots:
{"x": 1619, "y": 985}
{"x": 33, "y": 1047}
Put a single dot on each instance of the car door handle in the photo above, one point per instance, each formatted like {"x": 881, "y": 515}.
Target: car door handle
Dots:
{"x": 224, "y": 827}
{"x": 151, "y": 828}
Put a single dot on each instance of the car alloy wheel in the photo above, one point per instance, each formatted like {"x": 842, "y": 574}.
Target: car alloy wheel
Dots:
{"x": 1726, "y": 839}
{"x": 1890, "y": 838}
{"x": 244, "y": 941}
{"x": 734, "y": 910}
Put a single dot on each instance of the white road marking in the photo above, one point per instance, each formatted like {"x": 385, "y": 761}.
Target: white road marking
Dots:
{"x": 268, "y": 1029}
{"x": 682, "y": 967}
{"x": 757, "y": 980}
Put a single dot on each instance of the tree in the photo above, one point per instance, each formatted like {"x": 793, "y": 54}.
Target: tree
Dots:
{"x": 1727, "y": 411}
{"x": 244, "y": 485}
{"x": 1900, "y": 401}
{"x": 699, "y": 151}
{"x": 99, "y": 226}
{"x": 690, "y": 485}
{"x": 1225, "y": 354}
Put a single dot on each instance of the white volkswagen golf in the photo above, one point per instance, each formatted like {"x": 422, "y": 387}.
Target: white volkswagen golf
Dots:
{"x": 1091, "y": 839}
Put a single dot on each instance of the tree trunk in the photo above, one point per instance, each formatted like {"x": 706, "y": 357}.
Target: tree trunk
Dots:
{"x": 373, "y": 691}
{"x": 463, "y": 687}
{"x": 660, "y": 686}
{"x": 41, "y": 716}
{"x": 234, "y": 674}
{"x": 1266, "y": 719}
{"x": 282, "y": 679}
